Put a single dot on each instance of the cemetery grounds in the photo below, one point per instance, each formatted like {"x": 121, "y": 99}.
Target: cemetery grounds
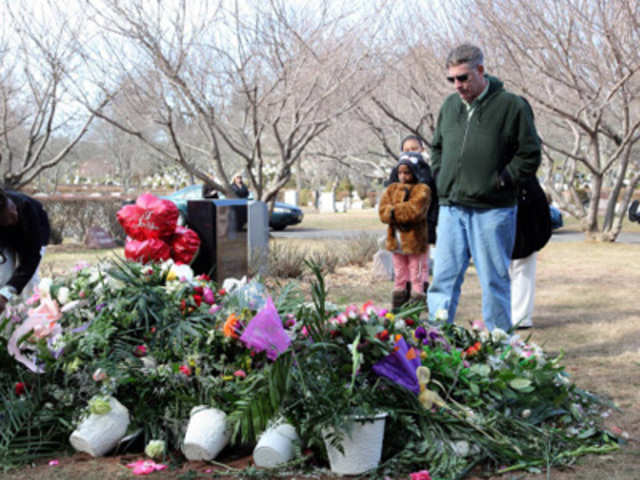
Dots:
{"x": 587, "y": 306}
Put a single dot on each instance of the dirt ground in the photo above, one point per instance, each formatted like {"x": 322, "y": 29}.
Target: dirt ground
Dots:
{"x": 587, "y": 306}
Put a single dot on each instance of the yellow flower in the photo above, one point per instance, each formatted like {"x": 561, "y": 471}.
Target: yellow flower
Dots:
{"x": 423, "y": 355}
{"x": 390, "y": 316}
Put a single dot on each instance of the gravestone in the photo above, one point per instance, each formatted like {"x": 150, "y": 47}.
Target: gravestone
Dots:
{"x": 98, "y": 237}
{"x": 291, "y": 197}
{"x": 220, "y": 224}
{"x": 327, "y": 202}
{"x": 258, "y": 236}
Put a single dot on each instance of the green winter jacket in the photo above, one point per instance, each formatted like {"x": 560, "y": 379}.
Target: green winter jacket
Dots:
{"x": 479, "y": 161}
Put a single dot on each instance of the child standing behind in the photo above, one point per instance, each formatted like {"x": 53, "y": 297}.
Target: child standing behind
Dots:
{"x": 403, "y": 207}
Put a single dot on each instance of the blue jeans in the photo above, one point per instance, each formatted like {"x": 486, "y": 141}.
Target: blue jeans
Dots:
{"x": 488, "y": 236}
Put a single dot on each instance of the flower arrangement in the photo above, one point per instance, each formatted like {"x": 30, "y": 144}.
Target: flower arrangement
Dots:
{"x": 162, "y": 341}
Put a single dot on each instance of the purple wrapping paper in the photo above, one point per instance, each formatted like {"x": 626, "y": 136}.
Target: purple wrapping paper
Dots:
{"x": 265, "y": 332}
{"x": 397, "y": 367}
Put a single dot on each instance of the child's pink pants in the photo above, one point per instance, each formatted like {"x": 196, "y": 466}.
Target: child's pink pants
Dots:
{"x": 410, "y": 268}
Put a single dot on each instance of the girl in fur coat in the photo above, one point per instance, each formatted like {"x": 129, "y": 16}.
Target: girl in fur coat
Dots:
{"x": 403, "y": 207}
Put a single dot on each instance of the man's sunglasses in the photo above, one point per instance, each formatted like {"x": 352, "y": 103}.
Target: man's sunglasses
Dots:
{"x": 460, "y": 78}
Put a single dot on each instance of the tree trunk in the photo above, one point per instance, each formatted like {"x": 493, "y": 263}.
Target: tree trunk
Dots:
{"x": 591, "y": 220}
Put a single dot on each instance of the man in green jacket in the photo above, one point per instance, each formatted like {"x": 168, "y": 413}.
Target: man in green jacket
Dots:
{"x": 485, "y": 142}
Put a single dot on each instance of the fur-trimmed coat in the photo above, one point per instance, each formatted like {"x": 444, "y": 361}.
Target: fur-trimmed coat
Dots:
{"x": 404, "y": 208}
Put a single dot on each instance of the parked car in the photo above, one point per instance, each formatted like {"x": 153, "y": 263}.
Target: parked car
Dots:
{"x": 556, "y": 217}
{"x": 282, "y": 216}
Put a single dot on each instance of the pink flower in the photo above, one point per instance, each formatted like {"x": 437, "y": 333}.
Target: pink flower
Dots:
{"x": 185, "y": 369}
{"x": 99, "y": 375}
{"x": 214, "y": 309}
{"x": 208, "y": 296}
{"x": 240, "y": 373}
{"x": 351, "y": 311}
{"x": 478, "y": 325}
{"x": 368, "y": 308}
{"x": 145, "y": 467}
{"x": 80, "y": 266}
{"x": 140, "y": 351}
{"x": 421, "y": 475}
{"x": 33, "y": 299}
{"x": 304, "y": 331}
{"x": 43, "y": 322}
{"x": 54, "y": 463}
{"x": 382, "y": 312}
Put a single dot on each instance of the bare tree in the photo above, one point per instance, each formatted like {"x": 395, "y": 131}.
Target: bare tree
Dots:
{"x": 242, "y": 88}
{"x": 39, "y": 54}
{"x": 578, "y": 62}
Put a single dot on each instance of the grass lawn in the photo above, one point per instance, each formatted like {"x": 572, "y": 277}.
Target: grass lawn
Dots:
{"x": 587, "y": 306}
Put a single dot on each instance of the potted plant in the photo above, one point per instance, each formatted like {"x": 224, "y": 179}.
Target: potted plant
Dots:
{"x": 336, "y": 398}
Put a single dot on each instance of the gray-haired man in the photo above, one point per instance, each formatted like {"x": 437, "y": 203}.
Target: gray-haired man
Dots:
{"x": 485, "y": 142}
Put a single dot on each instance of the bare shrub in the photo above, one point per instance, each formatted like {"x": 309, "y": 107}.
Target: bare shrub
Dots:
{"x": 359, "y": 250}
{"x": 72, "y": 217}
{"x": 285, "y": 260}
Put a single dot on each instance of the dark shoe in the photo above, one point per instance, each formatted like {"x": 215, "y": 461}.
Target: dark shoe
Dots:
{"x": 398, "y": 299}
{"x": 524, "y": 327}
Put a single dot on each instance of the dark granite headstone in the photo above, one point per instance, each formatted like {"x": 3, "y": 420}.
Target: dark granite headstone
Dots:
{"x": 220, "y": 226}
{"x": 98, "y": 237}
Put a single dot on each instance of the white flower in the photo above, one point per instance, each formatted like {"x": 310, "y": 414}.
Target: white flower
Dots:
{"x": 44, "y": 287}
{"x": 400, "y": 324}
{"x": 73, "y": 305}
{"x": 231, "y": 284}
{"x": 63, "y": 295}
{"x": 442, "y": 315}
{"x": 484, "y": 335}
{"x": 148, "y": 362}
{"x": 180, "y": 272}
{"x": 498, "y": 335}
{"x": 526, "y": 413}
{"x": 461, "y": 448}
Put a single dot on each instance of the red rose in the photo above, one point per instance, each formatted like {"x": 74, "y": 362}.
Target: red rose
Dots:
{"x": 20, "y": 388}
{"x": 197, "y": 299}
{"x": 409, "y": 322}
{"x": 198, "y": 290}
{"x": 185, "y": 369}
{"x": 222, "y": 292}
{"x": 140, "y": 351}
{"x": 383, "y": 335}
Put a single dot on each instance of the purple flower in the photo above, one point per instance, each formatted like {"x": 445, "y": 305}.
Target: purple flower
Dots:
{"x": 100, "y": 306}
{"x": 434, "y": 337}
{"x": 420, "y": 333}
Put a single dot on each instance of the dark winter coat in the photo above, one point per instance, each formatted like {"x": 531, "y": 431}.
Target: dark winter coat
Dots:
{"x": 26, "y": 238}
{"x": 533, "y": 224}
{"x": 478, "y": 161}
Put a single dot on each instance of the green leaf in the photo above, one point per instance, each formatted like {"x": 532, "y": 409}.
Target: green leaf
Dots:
{"x": 480, "y": 369}
{"x": 520, "y": 384}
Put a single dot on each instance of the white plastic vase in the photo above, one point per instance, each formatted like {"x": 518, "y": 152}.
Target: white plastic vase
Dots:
{"x": 362, "y": 446}
{"x": 275, "y": 446}
{"x": 98, "y": 434}
{"x": 207, "y": 434}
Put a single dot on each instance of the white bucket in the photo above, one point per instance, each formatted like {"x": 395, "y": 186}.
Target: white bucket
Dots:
{"x": 207, "y": 434}
{"x": 275, "y": 446}
{"x": 362, "y": 446}
{"x": 98, "y": 434}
